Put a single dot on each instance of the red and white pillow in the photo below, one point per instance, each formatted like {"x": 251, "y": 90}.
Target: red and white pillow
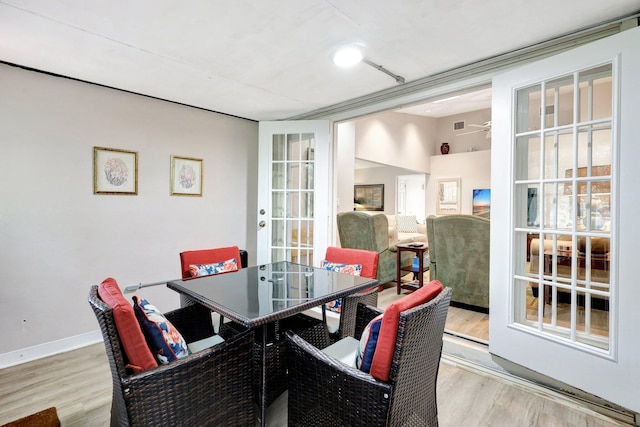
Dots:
{"x": 351, "y": 269}
{"x": 197, "y": 270}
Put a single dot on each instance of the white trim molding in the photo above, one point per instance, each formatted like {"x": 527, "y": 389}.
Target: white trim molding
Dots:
{"x": 39, "y": 351}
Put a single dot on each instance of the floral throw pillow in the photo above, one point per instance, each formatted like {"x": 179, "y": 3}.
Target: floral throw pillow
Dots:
{"x": 368, "y": 343}
{"x": 227, "y": 266}
{"x": 164, "y": 340}
{"x": 335, "y": 305}
{"x": 352, "y": 269}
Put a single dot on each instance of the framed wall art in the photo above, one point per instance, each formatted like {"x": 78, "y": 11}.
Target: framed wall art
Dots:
{"x": 115, "y": 171}
{"x": 368, "y": 197}
{"x": 482, "y": 202}
{"x": 186, "y": 176}
{"x": 448, "y": 196}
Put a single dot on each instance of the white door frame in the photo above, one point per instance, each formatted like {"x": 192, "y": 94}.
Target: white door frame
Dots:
{"x": 322, "y": 188}
{"x": 614, "y": 376}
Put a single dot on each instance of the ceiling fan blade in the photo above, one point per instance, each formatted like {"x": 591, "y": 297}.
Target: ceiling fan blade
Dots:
{"x": 485, "y": 125}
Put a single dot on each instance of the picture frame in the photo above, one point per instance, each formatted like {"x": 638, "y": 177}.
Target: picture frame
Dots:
{"x": 448, "y": 196}
{"x": 482, "y": 202}
{"x": 115, "y": 171}
{"x": 368, "y": 197}
{"x": 186, "y": 176}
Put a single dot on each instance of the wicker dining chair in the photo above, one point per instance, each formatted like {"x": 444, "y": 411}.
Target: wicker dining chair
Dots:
{"x": 369, "y": 262}
{"x": 210, "y": 387}
{"x": 324, "y": 391}
{"x": 209, "y": 256}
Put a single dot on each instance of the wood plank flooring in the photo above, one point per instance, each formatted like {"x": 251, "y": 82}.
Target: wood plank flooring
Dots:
{"x": 465, "y": 323}
{"x": 78, "y": 383}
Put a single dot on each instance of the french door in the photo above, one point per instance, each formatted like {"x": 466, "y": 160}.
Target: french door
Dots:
{"x": 564, "y": 218}
{"x": 293, "y": 191}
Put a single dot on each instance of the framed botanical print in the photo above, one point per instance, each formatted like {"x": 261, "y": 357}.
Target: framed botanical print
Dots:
{"x": 186, "y": 176}
{"x": 115, "y": 171}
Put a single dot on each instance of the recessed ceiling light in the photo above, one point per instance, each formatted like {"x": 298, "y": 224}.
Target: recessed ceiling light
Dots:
{"x": 348, "y": 56}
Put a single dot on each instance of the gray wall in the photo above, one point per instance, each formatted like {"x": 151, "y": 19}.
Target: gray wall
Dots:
{"x": 460, "y": 143}
{"x": 57, "y": 237}
{"x": 382, "y": 175}
{"x": 473, "y": 169}
{"x": 402, "y": 140}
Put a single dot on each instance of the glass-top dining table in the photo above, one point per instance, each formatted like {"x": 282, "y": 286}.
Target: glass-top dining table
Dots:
{"x": 260, "y": 295}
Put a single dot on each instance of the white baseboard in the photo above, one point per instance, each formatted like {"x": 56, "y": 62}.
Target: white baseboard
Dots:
{"x": 39, "y": 351}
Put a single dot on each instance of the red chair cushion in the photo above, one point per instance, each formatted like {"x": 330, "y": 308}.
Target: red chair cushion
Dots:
{"x": 367, "y": 259}
{"x": 207, "y": 256}
{"x": 133, "y": 341}
{"x": 381, "y": 364}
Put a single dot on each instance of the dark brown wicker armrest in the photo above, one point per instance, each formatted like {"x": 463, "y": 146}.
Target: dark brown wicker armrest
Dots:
{"x": 193, "y": 322}
{"x": 219, "y": 376}
{"x": 364, "y": 315}
{"x": 314, "y": 378}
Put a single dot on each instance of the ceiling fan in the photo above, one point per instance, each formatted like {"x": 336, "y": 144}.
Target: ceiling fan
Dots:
{"x": 484, "y": 127}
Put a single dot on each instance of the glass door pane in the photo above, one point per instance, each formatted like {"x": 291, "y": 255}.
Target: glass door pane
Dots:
{"x": 562, "y": 190}
{"x": 292, "y": 191}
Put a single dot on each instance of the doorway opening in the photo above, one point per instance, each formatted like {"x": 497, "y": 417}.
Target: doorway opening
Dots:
{"x": 401, "y": 149}
{"x": 410, "y": 195}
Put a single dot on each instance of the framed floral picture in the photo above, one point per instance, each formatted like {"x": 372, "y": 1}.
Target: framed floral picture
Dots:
{"x": 115, "y": 171}
{"x": 186, "y": 176}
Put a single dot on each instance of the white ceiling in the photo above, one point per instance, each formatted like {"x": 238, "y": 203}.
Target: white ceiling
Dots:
{"x": 269, "y": 60}
{"x": 450, "y": 105}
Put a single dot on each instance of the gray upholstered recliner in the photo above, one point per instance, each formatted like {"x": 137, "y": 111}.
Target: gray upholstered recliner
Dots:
{"x": 459, "y": 254}
{"x": 360, "y": 230}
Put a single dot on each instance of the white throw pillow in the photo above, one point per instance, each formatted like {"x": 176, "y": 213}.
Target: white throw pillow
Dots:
{"x": 407, "y": 223}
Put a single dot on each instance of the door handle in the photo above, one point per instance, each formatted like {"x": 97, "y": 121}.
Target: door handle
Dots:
{"x": 262, "y": 224}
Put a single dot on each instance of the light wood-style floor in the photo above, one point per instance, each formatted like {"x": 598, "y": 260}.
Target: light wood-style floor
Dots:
{"x": 461, "y": 322}
{"x": 78, "y": 383}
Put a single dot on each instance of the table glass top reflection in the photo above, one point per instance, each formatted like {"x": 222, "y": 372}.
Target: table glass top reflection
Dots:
{"x": 255, "y": 293}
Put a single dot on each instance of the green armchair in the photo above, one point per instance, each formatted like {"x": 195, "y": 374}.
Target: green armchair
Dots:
{"x": 459, "y": 257}
{"x": 361, "y": 230}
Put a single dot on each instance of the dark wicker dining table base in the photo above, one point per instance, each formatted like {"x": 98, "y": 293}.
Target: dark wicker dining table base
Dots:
{"x": 311, "y": 329}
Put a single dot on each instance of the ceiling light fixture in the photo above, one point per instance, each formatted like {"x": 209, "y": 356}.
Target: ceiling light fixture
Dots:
{"x": 351, "y": 55}
{"x": 348, "y": 56}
